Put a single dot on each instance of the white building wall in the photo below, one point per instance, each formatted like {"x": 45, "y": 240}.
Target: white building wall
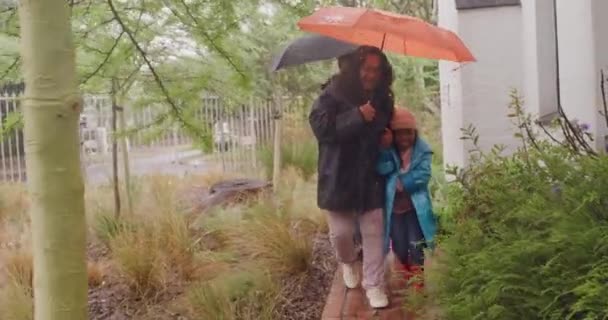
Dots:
{"x": 479, "y": 92}
{"x": 539, "y": 47}
{"x": 451, "y": 94}
{"x": 600, "y": 32}
{"x": 577, "y": 62}
{"x": 496, "y": 36}
{"x": 515, "y": 49}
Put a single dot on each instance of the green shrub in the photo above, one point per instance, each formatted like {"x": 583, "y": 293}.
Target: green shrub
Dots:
{"x": 526, "y": 237}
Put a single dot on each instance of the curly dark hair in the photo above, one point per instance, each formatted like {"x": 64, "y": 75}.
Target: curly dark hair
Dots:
{"x": 348, "y": 78}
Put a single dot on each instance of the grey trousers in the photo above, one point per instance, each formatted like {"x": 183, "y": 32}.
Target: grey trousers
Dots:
{"x": 342, "y": 231}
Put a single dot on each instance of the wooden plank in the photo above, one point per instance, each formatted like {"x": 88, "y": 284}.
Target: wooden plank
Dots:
{"x": 335, "y": 299}
{"x": 345, "y": 303}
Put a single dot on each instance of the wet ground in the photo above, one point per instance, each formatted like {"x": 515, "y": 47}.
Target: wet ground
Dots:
{"x": 178, "y": 162}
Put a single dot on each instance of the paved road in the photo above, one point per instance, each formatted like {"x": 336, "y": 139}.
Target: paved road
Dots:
{"x": 171, "y": 162}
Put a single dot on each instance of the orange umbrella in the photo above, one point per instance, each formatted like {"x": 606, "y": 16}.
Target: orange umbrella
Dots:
{"x": 389, "y": 31}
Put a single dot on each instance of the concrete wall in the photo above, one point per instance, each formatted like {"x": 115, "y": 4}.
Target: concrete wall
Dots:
{"x": 478, "y": 93}
{"x": 577, "y": 60}
{"x": 600, "y": 32}
{"x": 516, "y": 49}
{"x": 496, "y": 36}
{"x": 451, "y": 93}
{"x": 540, "y": 67}
{"x": 583, "y": 50}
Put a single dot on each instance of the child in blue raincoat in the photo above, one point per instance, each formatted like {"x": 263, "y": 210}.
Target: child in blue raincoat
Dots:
{"x": 410, "y": 221}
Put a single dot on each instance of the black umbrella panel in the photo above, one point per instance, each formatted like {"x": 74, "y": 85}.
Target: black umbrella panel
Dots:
{"x": 311, "y": 48}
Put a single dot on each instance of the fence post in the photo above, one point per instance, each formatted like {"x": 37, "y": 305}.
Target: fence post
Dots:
{"x": 253, "y": 140}
{"x": 3, "y": 101}
{"x": 276, "y": 170}
{"x": 83, "y": 154}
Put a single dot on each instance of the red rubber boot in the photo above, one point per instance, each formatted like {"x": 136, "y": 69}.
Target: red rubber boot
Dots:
{"x": 402, "y": 274}
{"x": 417, "y": 278}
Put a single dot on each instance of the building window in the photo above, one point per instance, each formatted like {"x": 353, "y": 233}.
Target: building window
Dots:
{"x": 477, "y": 4}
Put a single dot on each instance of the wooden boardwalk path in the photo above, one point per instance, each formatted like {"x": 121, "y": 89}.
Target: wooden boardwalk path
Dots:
{"x": 351, "y": 304}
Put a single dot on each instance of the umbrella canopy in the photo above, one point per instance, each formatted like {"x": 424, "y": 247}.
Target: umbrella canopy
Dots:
{"x": 389, "y": 31}
{"x": 309, "y": 49}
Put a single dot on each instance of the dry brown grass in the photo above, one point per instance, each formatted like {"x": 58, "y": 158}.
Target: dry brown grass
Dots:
{"x": 95, "y": 274}
{"x": 157, "y": 244}
{"x": 16, "y": 268}
{"x": 158, "y": 251}
{"x": 136, "y": 255}
{"x": 278, "y": 240}
{"x": 275, "y": 242}
{"x": 19, "y": 267}
{"x": 161, "y": 192}
{"x": 240, "y": 294}
{"x": 13, "y": 203}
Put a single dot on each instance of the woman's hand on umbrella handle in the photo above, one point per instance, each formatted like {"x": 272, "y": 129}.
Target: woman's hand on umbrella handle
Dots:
{"x": 368, "y": 112}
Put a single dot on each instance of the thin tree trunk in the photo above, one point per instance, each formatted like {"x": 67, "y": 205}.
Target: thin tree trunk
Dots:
{"x": 125, "y": 160}
{"x": 52, "y": 106}
{"x": 115, "y": 151}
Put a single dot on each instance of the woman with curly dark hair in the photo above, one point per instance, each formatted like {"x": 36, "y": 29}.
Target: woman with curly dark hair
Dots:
{"x": 348, "y": 120}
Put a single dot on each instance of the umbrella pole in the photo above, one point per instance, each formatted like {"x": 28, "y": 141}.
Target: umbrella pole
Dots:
{"x": 383, "y": 40}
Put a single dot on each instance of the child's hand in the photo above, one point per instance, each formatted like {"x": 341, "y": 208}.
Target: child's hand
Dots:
{"x": 399, "y": 185}
{"x": 387, "y": 139}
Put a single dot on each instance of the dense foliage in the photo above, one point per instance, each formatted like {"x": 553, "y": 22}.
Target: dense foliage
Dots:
{"x": 167, "y": 53}
{"x": 526, "y": 235}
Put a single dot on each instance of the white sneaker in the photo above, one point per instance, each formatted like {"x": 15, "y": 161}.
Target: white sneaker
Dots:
{"x": 350, "y": 273}
{"x": 377, "y": 298}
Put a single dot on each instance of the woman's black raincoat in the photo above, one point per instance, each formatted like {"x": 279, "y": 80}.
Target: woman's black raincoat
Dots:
{"x": 349, "y": 148}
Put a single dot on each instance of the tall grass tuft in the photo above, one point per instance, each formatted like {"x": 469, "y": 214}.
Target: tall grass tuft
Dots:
{"x": 155, "y": 248}
{"x": 176, "y": 244}
{"x": 156, "y": 251}
{"x": 107, "y": 227}
{"x": 162, "y": 192}
{"x": 247, "y": 294}
{"x": 156, "y": 244}
{"x": 19, "y": 267}
{"x": 282, "y": 244}
{"x": 139, "y": 260}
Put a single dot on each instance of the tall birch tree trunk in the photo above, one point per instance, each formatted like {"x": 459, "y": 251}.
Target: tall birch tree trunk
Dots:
{"x": 52, "y": 106}
{"x": 115, "y": 151}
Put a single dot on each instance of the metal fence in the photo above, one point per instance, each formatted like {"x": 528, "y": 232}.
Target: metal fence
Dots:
{"x": 12, "y": 153}
{"x": 235, "y": 135}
